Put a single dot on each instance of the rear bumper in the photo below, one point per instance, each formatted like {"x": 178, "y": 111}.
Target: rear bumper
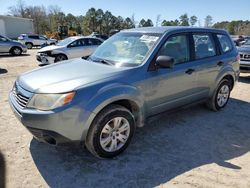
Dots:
{"x": 244, "y": 66}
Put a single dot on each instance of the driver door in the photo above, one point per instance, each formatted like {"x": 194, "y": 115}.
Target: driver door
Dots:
{"x": 168, "y": 88}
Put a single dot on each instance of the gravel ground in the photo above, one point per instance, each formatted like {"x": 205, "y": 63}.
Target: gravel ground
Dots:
{"x": 189, "y": 148}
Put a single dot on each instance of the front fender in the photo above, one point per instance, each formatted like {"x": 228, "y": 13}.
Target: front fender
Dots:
{"x": 112, "y": 93}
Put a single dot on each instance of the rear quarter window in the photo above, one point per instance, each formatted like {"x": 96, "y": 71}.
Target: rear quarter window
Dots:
{"x": 225, "y": 43}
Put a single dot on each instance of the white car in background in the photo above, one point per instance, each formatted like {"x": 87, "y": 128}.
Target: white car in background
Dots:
{"x": 31, "y": 40}
{"x": 68, "y": 48}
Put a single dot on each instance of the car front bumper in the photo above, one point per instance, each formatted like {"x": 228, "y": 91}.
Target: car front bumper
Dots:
{"x": 244, "y": 66}
{"x": 44, "y": 60}
{"x": 55, "y": 127}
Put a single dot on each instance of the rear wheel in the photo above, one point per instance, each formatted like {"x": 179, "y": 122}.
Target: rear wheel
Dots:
{"x": 221, "y": 96}
{"x": 110, "y": 132}
{"x": 60, "y": 57}
{"x": 16, "y": 51}
{"x": 29, "y": 45}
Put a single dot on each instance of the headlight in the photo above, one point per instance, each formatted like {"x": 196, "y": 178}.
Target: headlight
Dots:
{"x": 50, "y": 101}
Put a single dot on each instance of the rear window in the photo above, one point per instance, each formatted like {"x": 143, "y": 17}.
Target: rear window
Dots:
{"x": 94, "y": 42}
{"x": 225, "y": 43}
{"x": 204, "y": 45}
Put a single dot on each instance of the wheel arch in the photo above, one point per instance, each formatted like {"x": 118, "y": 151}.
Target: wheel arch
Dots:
{"x": 15, "y": 47}
{"x": 130, "y": 100}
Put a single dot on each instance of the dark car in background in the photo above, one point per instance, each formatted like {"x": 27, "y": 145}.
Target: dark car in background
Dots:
{"x": 244, "y": 52}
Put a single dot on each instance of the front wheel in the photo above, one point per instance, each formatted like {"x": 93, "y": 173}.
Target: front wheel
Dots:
{"x": 16, "y": 51}
{"x": 221, "y": 96}
{"x": 60, "y": 57}
{"x": 110, "y": 132}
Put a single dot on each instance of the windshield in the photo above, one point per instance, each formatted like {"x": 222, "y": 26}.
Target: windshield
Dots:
{"x": 126, "y": 48}
{"x": 65, "y": 42}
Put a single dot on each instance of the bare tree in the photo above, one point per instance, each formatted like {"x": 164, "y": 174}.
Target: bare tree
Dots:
{"x": 158, "y": 20}
{"x": 18, "y": 9}
{"x": 208, "y": 21}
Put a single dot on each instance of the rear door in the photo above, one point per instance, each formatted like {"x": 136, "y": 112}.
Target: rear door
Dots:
{"x": 34, "y": 39}
{"x": 93, "y": 44}
{"x": 42, "y": 40}
{"x": 206, "y": 63}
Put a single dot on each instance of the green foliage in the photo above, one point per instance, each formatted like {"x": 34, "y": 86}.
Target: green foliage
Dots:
{"x": 95, "y": 20}
{"x": 184, "y": 20}
{"x": 146, "y": 23}
{"x": 235, "y": 27}
{"x": 193, "y": 20}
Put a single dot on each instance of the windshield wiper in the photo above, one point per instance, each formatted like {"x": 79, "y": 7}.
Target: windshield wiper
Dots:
{"x": 103, "y": 61}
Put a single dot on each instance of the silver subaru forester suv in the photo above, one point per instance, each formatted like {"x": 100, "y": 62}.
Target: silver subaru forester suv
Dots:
{"x": 133, "y": 75}
{"x": 10, "y": 46}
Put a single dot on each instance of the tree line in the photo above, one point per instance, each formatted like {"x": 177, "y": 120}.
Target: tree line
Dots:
{"x": 96, "y": 20}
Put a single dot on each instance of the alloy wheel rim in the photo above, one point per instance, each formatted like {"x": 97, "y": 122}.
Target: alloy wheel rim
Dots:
{"x": 17, "y": 51}
{"x": 223, "y": 95}
{"x": 61, "y": 58}
{"x": 115, "y": 134}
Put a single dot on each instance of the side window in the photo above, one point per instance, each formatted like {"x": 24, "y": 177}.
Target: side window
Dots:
{"x": 84, "y": 42}
{"x": 2, "y": 39}
{"x": 42, "y": 38}
{"x": 204, "y": 46}
{"x": 225, "y": 43}
{"x": 76, "y": 43}
{"x": 94, "y": 42}
{"x": 34, "y": 37}
{"x": 176, "y": 47}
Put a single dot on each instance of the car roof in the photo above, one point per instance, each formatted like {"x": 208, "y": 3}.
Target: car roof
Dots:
{"x": 165, "y": 29}
{"x": 83, "y": 37}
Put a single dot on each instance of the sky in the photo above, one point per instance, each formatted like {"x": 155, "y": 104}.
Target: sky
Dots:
{"x": 220, "y": 10}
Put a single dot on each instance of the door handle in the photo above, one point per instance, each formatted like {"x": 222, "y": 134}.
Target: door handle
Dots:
{"x": 220, "y": 63}
{"x": 189, "y": 71}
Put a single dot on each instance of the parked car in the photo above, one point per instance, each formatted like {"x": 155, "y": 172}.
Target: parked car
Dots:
{"x": 31, "y": 40}
{"x": 135, "y": 74}
{"x": 244, "y": 52}
{"x": 95, "y": 34}
{"x": 10, "y": 46}
{"x": 68, "y": 48}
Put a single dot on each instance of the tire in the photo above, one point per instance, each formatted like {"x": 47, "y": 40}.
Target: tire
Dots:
{"x": 221, "y": 96}
{"x": 29, "y": 45}
{"x": 106, "y": 141}
{"x": 60, "y": 57}
{"x": 16, "y": 51}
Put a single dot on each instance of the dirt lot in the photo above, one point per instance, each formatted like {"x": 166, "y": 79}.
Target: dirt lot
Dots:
{"x": 191, "y": 148}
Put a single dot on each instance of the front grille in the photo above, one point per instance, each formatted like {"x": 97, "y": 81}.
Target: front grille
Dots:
{"x": 20, "y": 98}
{"x": 244, "y": 56}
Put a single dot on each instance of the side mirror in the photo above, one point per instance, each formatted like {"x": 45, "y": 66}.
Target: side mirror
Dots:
{"x": 165, "y": 62}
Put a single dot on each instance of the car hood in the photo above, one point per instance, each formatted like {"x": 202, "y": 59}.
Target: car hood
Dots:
{"x": 49, "y": 48}
{"x": 66, "y": 76}
{"x": 244, "y": 48}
